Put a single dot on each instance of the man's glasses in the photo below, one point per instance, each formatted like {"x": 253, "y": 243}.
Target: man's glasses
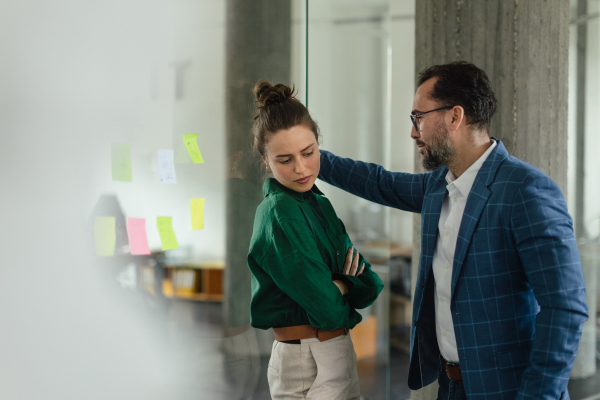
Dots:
{"x": 414, "y": 116}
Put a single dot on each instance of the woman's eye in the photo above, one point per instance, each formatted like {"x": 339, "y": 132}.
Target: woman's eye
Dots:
{"x": 309, "y": 154}
{"x": 286, "y": 161}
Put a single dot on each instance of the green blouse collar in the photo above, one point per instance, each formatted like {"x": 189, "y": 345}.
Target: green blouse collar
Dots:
{"x": 271, "y": 185}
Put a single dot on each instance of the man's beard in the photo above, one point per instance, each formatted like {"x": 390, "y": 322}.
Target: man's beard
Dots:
{"x": 440, "y": 151}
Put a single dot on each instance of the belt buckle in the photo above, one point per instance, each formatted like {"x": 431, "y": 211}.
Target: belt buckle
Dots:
{"x": 450, "y": 365}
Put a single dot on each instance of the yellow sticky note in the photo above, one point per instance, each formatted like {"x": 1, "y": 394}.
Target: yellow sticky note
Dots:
{"x": 121, "y": 162}
{"x": 167, "y": 235}
{"x": 105, "y": 236}
{"x": 197, "y": 206}
{"x": 189, "y": 140}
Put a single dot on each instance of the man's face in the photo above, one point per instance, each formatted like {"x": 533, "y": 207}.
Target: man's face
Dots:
{"x": 432, "y": 137}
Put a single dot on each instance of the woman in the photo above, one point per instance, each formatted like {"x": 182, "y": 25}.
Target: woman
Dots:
{"x": 306, "y": 280}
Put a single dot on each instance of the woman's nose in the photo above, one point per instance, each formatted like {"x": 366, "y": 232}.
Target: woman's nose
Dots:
{"x": 300, "y": 167}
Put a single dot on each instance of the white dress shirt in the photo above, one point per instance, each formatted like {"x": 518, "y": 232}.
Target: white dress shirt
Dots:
{"x": 443, "y": 256}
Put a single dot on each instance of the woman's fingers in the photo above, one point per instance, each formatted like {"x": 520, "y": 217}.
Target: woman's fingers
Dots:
{"x": 362, "y": 268}
{"x": 351, "y": 263}
{"x": 354, "y": 265}
{"x": 348, "y": 262}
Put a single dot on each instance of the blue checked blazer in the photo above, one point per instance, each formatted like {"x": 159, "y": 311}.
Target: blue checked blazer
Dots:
{"x": 518, "y": 295}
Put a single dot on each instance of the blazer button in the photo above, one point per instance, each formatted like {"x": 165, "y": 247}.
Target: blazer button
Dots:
{"x": 337, "y": 252}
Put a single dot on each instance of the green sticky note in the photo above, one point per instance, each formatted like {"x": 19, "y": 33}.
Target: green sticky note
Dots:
{"x": 121, "y": 162}
{"x": 197, "y": 206}
{"x": 105, "y": 236}
{"x": 167, "y": 235}
{"x": 189, "y": 140}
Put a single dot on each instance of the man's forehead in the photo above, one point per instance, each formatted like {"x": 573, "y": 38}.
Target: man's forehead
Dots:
{"x": 422, "y": 94}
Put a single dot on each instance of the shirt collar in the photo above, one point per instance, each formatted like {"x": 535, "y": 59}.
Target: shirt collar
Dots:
{"x": 465, "y": 182}
{"x": 271, "y": 185}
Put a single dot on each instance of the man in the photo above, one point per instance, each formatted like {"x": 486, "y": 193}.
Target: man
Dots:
{"x": 500, "y": 297}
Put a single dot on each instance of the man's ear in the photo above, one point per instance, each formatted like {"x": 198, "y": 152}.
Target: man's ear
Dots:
{"x": 457, "y": 118}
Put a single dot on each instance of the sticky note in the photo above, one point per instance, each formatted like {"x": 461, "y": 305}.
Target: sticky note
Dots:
{"x": 136, "y": 232}
{"x": 167, "y": 235}
{"x": 166, "y": 166}
{"x": 105, "y": 236}
{"x": 189, "y": 140}
{"x": 197, "y": 206}
{"x": 121, "y": 162}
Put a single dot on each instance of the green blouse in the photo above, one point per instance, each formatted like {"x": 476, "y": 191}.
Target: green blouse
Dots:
{"x": 298, "y": 248}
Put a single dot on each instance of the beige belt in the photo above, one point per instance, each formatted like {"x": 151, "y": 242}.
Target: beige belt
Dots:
{"x": 306, "y": 332}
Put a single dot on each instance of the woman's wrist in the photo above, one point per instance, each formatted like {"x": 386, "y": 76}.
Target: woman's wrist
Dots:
{"x": 342, "y": 286}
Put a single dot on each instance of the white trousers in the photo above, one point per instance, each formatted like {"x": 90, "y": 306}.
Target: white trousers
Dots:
{"x": 314, "y": 370}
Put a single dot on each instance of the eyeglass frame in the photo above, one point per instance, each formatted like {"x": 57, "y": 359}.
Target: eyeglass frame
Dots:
{"x": 413, "y": 117}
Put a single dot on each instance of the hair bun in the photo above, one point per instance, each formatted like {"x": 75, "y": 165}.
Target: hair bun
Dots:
{"x": 266, "y": 94}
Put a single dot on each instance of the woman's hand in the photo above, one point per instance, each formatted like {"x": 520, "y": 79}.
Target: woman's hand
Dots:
{"x": 351, "y": 265}
{"x": 342, "y": 286}
{"x": 350, "y": 268}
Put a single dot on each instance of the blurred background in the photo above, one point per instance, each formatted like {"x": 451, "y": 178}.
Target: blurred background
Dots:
{"x": 116, "y": 113}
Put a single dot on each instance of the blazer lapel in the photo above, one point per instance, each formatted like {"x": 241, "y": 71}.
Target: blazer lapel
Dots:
{"x": 476, "y": 202}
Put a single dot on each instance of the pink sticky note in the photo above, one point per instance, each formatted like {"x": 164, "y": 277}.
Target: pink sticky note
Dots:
{"x": 138, "y": 241}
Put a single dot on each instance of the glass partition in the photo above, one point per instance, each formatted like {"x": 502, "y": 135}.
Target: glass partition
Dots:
{"x": 349, "y": 56}
{"x": 127, "y": 156}
{"x": 177, "y": 183}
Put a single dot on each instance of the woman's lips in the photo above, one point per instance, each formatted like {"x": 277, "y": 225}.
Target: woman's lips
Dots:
{"x": 303, "y": 180}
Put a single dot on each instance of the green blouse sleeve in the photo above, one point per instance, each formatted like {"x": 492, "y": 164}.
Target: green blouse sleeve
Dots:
{"x": 362, "y": 289}
{"x": 295, "y": 265}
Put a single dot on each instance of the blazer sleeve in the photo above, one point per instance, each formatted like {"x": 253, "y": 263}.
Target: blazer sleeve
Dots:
{"x": 543, "y": 233}
{"x": 372, "y": 182}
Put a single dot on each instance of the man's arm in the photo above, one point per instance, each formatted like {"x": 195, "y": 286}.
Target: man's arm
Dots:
{"x": 372, "y": 182}
{"x": 543, "y": 232}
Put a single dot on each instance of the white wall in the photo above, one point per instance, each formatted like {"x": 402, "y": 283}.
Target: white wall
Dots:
{"x": 190, "y": 33}
{"x": 592, "y": 124}
{"x": 348, "y": 85}
{"x": 403, "y": 88}
{"x": 75, "y": 76}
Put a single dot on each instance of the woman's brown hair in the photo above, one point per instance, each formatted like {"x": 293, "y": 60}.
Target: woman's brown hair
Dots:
{"x": 277, "y": 109}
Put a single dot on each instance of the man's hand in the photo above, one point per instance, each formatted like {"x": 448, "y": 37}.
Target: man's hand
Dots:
{"x": 351, "y": 265}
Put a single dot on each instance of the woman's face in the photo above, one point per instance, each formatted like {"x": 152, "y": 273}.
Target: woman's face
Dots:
{"x": 293, "y": 156}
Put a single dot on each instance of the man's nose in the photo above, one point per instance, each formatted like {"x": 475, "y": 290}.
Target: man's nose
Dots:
{"x": 413, "y": 132}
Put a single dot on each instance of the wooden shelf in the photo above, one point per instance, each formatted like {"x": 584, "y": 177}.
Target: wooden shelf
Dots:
{"x": 196, "y": 296}
{"x": 216, "y": 265}
{"x": 204, "y": 284}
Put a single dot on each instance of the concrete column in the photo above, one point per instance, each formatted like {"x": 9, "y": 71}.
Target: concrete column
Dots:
{"x": 258, "y": 45}
{"x": 523, "y": 47}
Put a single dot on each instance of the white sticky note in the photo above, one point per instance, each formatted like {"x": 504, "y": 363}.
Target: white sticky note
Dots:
{"x": 166, "y": 166}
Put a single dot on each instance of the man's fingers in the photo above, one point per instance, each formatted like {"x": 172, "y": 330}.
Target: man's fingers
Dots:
{"x": 348, "y": 262}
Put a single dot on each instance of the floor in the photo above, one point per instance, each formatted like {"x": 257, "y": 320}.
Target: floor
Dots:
{"x": 193, "y": 331}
